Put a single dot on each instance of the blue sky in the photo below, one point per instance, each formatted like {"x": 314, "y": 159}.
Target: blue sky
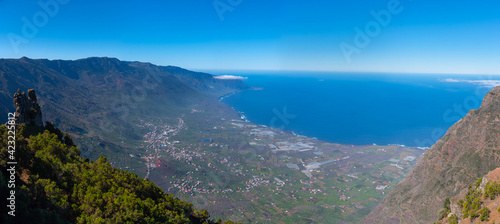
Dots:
{"x": 422, "y": 37}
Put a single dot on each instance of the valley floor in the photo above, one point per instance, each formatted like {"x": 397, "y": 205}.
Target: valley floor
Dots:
{"x": 252, "y": 173}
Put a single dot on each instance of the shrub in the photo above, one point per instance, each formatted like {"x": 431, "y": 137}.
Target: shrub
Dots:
{"x": 485, "y": 214}
{"x": 453, "y": 219}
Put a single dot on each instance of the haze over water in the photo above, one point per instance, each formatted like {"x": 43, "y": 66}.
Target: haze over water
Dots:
{"x": 359, "y": 108}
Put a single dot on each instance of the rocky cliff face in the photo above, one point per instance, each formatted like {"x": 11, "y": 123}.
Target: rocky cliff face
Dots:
{"x": 27, "y": 109}
{"x": 469, "y": 150}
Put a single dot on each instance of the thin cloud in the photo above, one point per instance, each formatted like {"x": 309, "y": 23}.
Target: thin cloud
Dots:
{"x": 487, "y": 83}
{"x": 451, "y": 80}
{"x": 229, "y": 77}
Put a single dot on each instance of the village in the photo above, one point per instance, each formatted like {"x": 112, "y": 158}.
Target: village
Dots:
{"x": 270, "y": 167}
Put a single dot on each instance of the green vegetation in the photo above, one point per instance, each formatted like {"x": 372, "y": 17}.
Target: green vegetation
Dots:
{"x": 453, "y": 219}
{"x": 473, "y": 200}
{"x": 472, "y": 203}
{"x": 485, "y": 214}
{"x": 478, "y": 182}
{"x": 492, "y": 189}
{"x": 55, "y": 185}
{"x": 445, "y": 210}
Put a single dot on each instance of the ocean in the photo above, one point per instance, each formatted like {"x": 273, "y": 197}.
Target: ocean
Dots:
{"x": 414, "y": 110}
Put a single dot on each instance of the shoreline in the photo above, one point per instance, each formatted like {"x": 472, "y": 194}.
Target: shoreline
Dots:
{"x": 220, "y": 98}
{"x": 227, "y": 95}
{"x": 245, "y": 119}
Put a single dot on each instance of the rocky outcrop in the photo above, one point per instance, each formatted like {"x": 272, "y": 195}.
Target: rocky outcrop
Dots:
{"x": 27, "y": 109}
{"x": 469, "y": 150}
{"x": 454, "y": 207}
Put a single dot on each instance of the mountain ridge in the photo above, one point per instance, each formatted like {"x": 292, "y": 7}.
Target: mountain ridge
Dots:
{"x": 100, "y": 100}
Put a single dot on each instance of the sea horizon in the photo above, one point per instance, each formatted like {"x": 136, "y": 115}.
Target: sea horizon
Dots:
{"x": 431, "y": 101}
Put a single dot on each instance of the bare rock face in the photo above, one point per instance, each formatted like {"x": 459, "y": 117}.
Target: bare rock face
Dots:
{"x": 27, "y": 109}
{"x": 454, "y": 207}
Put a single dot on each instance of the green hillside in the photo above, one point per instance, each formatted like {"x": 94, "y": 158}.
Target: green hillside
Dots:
{"x": 54, "y": 184}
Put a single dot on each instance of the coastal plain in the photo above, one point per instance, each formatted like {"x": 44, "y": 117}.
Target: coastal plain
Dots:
{"x": 253, "y": 173}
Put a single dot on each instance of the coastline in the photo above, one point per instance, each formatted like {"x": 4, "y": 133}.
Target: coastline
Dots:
{"x": 245, "y": 118}
{"x": 237, "y": 91}
{"x": 228, "y": 95}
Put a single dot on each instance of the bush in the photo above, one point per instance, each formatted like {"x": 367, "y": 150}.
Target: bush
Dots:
{"x": 472, "y": 203}
{"x": 491, "y": 190}
{"x": 453, "y": 219}
{"x": 485, "y": 214}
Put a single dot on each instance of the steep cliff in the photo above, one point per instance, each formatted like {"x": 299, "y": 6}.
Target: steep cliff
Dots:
{"x": 469, "y": 150}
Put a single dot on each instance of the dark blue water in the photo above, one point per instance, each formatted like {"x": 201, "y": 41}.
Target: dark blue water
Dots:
{"x": 411, "y": 110}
